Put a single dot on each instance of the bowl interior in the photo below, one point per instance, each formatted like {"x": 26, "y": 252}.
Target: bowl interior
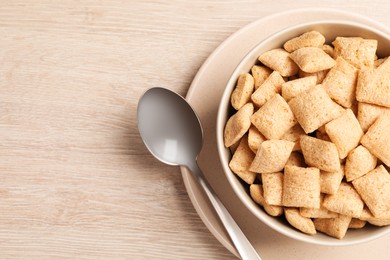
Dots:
{"x": 330, "y": 29}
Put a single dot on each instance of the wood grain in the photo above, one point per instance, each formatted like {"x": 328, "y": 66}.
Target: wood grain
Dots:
{"x": 75, "y": 178}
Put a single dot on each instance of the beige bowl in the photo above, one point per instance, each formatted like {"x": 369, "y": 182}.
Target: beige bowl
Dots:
{"x": 330, "y": 29}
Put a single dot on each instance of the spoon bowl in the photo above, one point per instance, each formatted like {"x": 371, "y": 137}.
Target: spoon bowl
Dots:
{"x": 169, "y": 127}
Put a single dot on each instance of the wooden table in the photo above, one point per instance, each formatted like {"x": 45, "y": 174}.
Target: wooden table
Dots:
{"x": 75, "y": 179}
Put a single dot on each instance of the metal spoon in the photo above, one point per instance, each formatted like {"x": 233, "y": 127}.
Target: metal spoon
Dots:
{"x": 172, "y": 132}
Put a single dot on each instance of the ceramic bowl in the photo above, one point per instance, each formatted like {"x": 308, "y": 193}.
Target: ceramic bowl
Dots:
{"x": 330, "y": 29}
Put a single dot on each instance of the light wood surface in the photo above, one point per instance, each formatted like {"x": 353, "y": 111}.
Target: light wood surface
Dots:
{"x": 75, "y": 179}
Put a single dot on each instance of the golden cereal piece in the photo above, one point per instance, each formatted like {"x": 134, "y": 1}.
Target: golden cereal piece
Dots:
{"x": 345, "y": 132}
{"x": 320, "y": 75}
{"x": 330, "y": 181}
{"x": 241, "y": 161}
{"x": 368, "y": 113}
{"x": 318, "y": 213}
{"x": 359, "y": 162}
{"x": 320, "y": 154}
{"x": 260, "y": 74}
{"x": 328, "y": 50}
{"x": 271, "y": 156}
{"x": 381, "y": 221}
{"x": 293, "y": 134}
{"x": 243, "y": 91}
{"x": 312, "y": 59}
{"x": 321, "y": 129}
{"x": 308, "y": 39}
{"x": 270, "y": 87}
{"x": 273, "y": 188}
{"x": 234, "y": 146}
{"x": 314, "y": 108}
{"x": 374, "y": 188}
{"x": 357, "y": 223}
{"x": 301, "y": 223}
{"x": 292, "y": 88}
{"x": 257, "y": 193}
{"x": 377, "y": 139}
{"x": 340, "y": 83}
{"x": 322, "y": 135}
{"x": 346, "y": 201}
{"x": 274, "y": 118}
{"x": 373, "y": 85}
{"x": 335, "y": 227}
{"x": 238, "y": 124}
{"x": 296, "y": 159}
{"x": 279, "y": 60}
{"x": 255, "y": 138}
{"x": 357, "y": 51}
{"x": 301, "y": 187}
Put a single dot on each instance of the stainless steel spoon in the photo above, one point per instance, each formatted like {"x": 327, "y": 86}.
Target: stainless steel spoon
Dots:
{"x": 172, "y": 132}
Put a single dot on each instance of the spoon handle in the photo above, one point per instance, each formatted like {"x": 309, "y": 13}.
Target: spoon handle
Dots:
{"x": 243, "y": 246}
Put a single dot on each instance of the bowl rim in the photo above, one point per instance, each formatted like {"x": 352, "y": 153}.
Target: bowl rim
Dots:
{"x": 222, "y": 116}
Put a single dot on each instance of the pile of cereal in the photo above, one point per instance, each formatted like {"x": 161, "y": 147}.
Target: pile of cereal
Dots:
{"x": 311, "y": 133}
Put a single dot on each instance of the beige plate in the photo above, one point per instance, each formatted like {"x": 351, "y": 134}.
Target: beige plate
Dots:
{"x": 204, "y": 95}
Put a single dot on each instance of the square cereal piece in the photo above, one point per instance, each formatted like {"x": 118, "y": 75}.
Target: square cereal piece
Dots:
{"x": 356, "y": 50}
{"x": 320, "y": 154}
{"x": 377, "y": 139}
{"x": 279, "y": 60}
{"x": 296, "y": 159}
{"x": 257, "y": 193}
{"x": 340, "y": 83}
{"x": 376, "y": 221}
{"x": 308, "y": 39}
{"x": 373, "y": 85}
{"x": 320, "y": 75}
{"x": 301, "y": 187}
{"x": 346, "y": 201}
{"x": 234, "y": 146}
{"x": 260, "y": 74}
{"x": 314, "y": 108}
{"x": 345, "y": 132}
{"x": 255, "y": 138}
{"x": 330, "y": 181}
{"x": 380, "y": 222}
{"x": 292, "y": 88}
{"x": 368, "y": 113}
{"x": 270, "y": 87}
{"x": 312, "y": 59}
{"x": 322, "y": 136}
{"x": 359, "y": 162}
{"x": 274, "y": 118}
{"x": 357, "y": 223}
{"x": 298, "y": 221}
{"x": 271, "y": 156}
{"x": 374, "y": 188}
{"x": 328, "y": 50}
{"x": 241, "y": 161}
{"x": 293, "y": 135}
{"x": 273, "y": 188}
{"x": 318, "y": 213}
{"x": 243, "y": 91}
{"x": 335, "y": 227}
{"x": 238, "y": 124}
{"x": 366, "y": 214}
